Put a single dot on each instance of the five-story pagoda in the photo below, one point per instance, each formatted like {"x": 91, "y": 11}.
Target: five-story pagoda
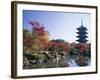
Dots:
{"x": 82, "y": 34}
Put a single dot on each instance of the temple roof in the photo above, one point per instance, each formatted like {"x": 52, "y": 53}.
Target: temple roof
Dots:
{"x": 82, "y": 36}
{"x": 82, "y": 28}
{"x": 82, "y": 41}
{"x": 82, "y": 32}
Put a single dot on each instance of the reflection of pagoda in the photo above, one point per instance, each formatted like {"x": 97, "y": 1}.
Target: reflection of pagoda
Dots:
{"x": 82, "y": 34}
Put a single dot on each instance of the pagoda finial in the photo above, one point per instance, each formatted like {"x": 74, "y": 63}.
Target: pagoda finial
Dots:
{"x": 81, "y": 22}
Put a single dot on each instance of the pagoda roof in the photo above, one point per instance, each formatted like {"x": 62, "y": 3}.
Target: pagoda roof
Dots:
{"x": 83, "y": 36}
{"x": 82, "y": 32}
{"x": 82, "y": 41}
{"x": 82, "y": 28}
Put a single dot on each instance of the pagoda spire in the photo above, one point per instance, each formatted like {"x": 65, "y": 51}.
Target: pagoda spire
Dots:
{"x": 81, "y": 22}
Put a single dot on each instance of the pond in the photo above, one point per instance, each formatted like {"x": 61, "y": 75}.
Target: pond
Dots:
{"x": 72, "y": 63}
{"x": 63, "y": 63}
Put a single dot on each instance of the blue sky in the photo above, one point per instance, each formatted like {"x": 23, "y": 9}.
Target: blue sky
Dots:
{"x": 61, "y": 25}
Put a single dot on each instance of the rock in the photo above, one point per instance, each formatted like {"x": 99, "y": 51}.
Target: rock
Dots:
{"x": 25, "y": 61}
{"x": 82, "y": 61}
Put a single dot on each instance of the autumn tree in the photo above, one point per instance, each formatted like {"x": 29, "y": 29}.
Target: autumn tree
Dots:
{"x": 27, "y": 41}
{"x": 40, "y": 36}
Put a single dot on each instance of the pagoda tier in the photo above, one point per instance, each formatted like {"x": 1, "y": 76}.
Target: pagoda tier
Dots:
{"x": 82, "y": 34}
{"x": 82, "y": 41}
{"x": 81, "y": 28}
